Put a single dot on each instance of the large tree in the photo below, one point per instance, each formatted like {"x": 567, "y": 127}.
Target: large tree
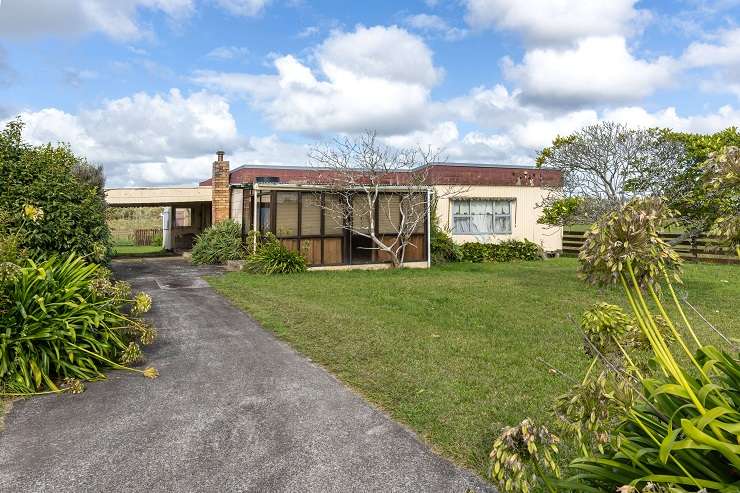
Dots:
{"x": 606, "y": 164}
{"x": 697, "y": 206}
{"x": 602, "y": 166}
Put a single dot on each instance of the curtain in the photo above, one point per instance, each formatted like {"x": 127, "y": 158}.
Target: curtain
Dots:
{"x": 481, "y": 216}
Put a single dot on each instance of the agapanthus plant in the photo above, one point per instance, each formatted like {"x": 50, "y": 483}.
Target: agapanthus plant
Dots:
{"x": 683, "y": 431}
{"x": 523, "y": 458}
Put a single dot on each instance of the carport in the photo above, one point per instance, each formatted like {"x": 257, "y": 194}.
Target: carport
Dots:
{"x": 186, "y": 210}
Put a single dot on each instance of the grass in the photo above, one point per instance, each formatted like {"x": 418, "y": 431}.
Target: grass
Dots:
{"x": 455, "y": 352}
{"x": 138, "y": 251}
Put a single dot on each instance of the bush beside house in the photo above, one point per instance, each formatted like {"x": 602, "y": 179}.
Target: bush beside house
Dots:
{"x": 219, "y": 243}
{"x": 504, "y": 251}
{"x": 63, "y": 319}
{"x": 65, "y": 187}
{"x": 272, "y": 257}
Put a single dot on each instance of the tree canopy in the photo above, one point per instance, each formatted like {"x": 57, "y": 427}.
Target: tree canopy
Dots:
{"x": 65, "y": 187}
{"x": 607, "y": 164}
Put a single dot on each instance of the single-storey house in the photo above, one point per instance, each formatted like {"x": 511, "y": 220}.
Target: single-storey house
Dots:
{"x": 474, "y": 202}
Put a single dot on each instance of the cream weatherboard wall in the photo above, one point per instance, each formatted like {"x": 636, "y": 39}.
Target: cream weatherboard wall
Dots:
{"x": 524, "y": 214}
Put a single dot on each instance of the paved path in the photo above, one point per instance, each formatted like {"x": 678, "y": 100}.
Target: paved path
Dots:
{"x": 233, "y": 410}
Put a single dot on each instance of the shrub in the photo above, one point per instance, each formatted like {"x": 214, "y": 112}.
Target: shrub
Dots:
{"x": 219, "y": 243}
{"x": 443, "y": 248}
{"x": 62, "y": 185}
{"x": 505, "y": 251}
{"x": 561, "y": 212}
{"x": 474, "y": 252}
{"x": 514, "y": 250}
{"x": 64, "y": 321}
{"x": 272, "y": 257}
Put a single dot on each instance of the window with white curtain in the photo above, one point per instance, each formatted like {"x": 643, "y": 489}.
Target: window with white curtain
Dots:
{"x": 472, "y": 217}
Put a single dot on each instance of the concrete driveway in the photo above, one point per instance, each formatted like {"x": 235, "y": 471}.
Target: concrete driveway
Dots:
{"x": 234, "y": 409}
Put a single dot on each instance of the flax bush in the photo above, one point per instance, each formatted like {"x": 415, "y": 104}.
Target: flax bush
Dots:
{"x": 219, "y": 243}
{"x": 272, "y": 257}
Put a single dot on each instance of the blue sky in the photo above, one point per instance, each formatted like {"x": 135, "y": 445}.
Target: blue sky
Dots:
{"x": 152, "y": 88}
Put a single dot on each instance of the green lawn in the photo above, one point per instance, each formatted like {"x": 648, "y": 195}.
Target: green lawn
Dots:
{"x": 138, "y": 251}
{"x": 453, "y": 351}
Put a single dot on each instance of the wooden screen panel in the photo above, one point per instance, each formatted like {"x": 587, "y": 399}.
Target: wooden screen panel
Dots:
{"x": 417, "y": 250}
{"x": 311, "y": 249}
{"x": 385, "y": 256}
{"x": 290, "y": 244}
{"x": 332, "y": 251}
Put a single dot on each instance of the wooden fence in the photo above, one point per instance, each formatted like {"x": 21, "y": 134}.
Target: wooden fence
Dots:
{"x": 701, "y": 249}
{"x": 145, "y": 237}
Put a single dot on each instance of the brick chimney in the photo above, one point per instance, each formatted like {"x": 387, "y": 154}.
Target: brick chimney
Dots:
{"x": 220, "y": 194}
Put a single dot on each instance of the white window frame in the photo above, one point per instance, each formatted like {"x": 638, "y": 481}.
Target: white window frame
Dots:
{"x": 493, "y": 215}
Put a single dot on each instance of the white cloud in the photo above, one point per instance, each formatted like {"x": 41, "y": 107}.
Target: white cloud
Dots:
{"x": 228, "y": 52}
{"x": 379, "y": 52}
{"x": 76, "y": 77}
{"x": 144, "y": 132}
{"x": 118, "y": 19}
{"x": 309, "y": 31}
{"x": 22, "y": 18}
{"x": 726, "y": 52}
{"x": 722, "y": 56}
{"x": 669, "y": 118}
{"x": 371, "y": 78}
{"x": 556, "y": 21}
{"x": 490, "y": 107}
{"x": 595, "y": 71}
{"x": 247, "y": 8}
{"x": 437, "y": 137}
{"x": 434, "y": 24}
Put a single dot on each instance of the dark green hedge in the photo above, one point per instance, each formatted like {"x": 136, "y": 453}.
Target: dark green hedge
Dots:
{"x": 47, "y": 177}
{"x": 504, "y": 251}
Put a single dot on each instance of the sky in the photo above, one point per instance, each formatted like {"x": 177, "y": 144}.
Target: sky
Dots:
{"x": 151, "y": 89}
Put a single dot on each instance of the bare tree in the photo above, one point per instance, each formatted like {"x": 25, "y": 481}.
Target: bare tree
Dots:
{"x": 607, "y": 164}
{"x": 371, "y": 183}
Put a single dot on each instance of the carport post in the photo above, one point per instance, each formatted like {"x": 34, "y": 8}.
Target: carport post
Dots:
{"x": 168, "y": 230}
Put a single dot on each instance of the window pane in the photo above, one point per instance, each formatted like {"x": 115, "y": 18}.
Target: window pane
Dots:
{"x": 264, "y": 211}
{"x": 183, "y": 218}
{"x": 286, "y": 219}
{"x": 389, "y": 213}
{"x": 481, "y": 207}
{"x": 482, "y": 223}
{"x": 333, "y": 215}
{"x": 461, "y": 225}
{"x": 503, "y": 207}
{"x": 503, "y": 224}
{"x": 361, "y": 213}
{"x": 310, "y": 214}
{"x": 414, "y": 205}
{"x": 460, "y": 207}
